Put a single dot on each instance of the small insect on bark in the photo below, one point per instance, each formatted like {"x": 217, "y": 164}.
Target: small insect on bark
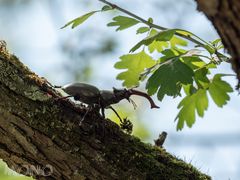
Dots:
{"x": 92, "y": 96}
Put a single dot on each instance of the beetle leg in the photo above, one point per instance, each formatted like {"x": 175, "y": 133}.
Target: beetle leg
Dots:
{"x": 101, "y": 106}
{"x": 110, "y": 107}
{"x": 83, "y": 118}
{"x": 64, "y": 97}
{"x": 133, "y": 103}
{"x": 103, "y": 112}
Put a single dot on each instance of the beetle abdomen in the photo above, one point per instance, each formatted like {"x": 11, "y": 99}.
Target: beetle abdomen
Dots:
{"x": 83, "y": 92}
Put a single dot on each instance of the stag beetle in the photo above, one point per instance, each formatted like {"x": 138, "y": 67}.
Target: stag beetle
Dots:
{"x": 91, "y": 95}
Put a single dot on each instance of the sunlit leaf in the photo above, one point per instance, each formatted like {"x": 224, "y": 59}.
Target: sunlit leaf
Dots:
{"x": 159, "y": 46}
{"x": 178, "y": 41}
{"x": 150, "y": 20}
{"x": 216, "y": 41}
{"x": 222, "y": 57}
{"x": 106, "y": 8}
{"x": 142, "y": 30}
{"x": 209, "y": 49}
{"x": 193, "y": 61}
{"x": 160, "y": 36}
{"x": 183, "y": 32}
{"x": 192, "y": 52}
{"x": 189, "y": 89}
{"x": 219, "y": 90}
{"x": 135, "y": 65}
{"x": 76, "y": 22}
{"x": 197, "y": 102}
{"x": 123, "y": 22}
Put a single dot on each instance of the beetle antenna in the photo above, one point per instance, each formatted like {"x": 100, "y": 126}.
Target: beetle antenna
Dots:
{"x": 133, "y": 103}
{"x": 139, "y": 93}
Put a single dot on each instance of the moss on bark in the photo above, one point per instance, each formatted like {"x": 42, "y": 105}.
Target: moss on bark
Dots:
{"x": 39, "y": 130}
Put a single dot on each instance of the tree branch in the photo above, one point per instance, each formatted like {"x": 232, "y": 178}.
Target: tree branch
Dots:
{"x": 39, "y": 131}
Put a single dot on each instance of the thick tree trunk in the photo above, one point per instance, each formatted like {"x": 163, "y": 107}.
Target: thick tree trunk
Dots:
{"x": 224, "y": 14}
{"x": 41, "y": 136}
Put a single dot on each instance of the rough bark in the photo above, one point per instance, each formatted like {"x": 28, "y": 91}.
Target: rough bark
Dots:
{"x": 39, "y": 131}
{"x": 224, "y": 14}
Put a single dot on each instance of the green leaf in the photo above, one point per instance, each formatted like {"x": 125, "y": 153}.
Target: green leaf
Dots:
{"x": 185, "y": 33}
{"x": 150, "y": 20}
{"x": 201, "y": 79}
{"x": 197, "y": 102}
{"x": 106, "y": 8}
{"x": 135, "y": 65}
{"x": 76, "y": 22}
{"x": 222, "y": 57}
{"x": 216, "y": 41}
{"x": 153, "y": 32}
{"x": 211, "y": 65}
{"x": 219, "y": 90}
{"x": 165, "y": 35}
{"x": 168, "y": 54}
{"x": 179, "y": 51}
{"x": 178, "y": 41}
{"x": 209, "y": 49}
{"x": 193, "y": 62}
{"x": 123, "y": 22}
{"x": 167, "y": 79}
{"x": 142, "y": 30}
{"x": 189, "y": 89}
{"x": 158, "y": 46}
{"x": 160, "y": 36}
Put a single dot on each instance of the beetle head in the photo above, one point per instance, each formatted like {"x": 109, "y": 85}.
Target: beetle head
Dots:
{"x": 121, "y": 93}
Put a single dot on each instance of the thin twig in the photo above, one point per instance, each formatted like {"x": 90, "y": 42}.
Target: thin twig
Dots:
{"x": 114, "y": 6}
{"x": 152, "y": 25}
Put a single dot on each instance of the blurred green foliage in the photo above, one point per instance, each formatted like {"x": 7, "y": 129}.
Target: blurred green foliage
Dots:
{"x": 8, "y": 174}
{"x": 139, "y": 129}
